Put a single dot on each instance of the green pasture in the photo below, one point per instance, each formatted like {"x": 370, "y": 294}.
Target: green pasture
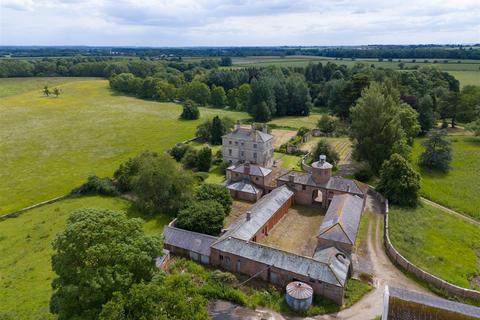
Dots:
{"x": 458, "y": 189}
{"x": 50, "y": 145}
{"x": 438, "y": 242}
{"x": 25, "y": 244}
{"x": 13, "y": 86}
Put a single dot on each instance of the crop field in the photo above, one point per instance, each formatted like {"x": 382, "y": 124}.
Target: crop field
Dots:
{"x": 458, "y": 189}
{"x": 25, "y": 244}
{"x": 434, "y": 240}
{"x": 297, "y": 122}
{"x": 50, "y": 145}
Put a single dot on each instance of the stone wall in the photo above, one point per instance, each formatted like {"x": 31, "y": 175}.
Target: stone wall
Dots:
{"x": 438, "y": 283}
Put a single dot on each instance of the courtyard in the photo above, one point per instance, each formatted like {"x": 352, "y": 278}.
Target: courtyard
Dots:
{"x": 297, "y": 230}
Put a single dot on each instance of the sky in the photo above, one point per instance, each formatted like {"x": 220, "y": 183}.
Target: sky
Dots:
{"x": 173, "y": 23}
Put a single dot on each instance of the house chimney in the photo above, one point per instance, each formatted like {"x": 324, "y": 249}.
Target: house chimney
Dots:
{"x": 246, "y": 168}
{"x": 322, "y": 159}
{"x": 264, "y": 128}
{"x": 249, "y": 215}
{"x": 291, "y": 177}
{"x": 253, "y": 126}
{"x": 238, "y": 125}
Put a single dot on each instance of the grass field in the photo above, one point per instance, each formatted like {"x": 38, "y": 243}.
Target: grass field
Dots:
{"x": 460, "y": 188}
{"x": 50, "y": 145}
{"x": 297, "y": 122}
{"x": 288, "y": 161}
{"x": 13, "y": 86}
{"x": 25, "y": 244}
{"x": 438, "y": 242}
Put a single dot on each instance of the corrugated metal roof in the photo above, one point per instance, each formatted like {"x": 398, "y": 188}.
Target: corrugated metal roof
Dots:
{"x": 287, "y": 261}
{"x": 260, "y": 213}
{"x": 434, "y": 302}
{"x": 342, "y": 219}
{"x": 255, "y": 170}
{"x": 249, "y": 135}
{"x": 189, "y": 240}
{"x": 244, "y": 186}
{"x": 299, "y": 290}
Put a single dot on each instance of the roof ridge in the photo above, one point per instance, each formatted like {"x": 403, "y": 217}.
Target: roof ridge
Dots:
{"x": 194, "y": 232}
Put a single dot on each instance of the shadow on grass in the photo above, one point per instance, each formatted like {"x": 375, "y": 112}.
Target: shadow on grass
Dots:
{"x": 155, "y": 221}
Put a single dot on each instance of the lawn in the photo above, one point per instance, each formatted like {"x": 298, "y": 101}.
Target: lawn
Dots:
{"x": 439, "y": 243}
{"x": 297, "y": 121}
{"x": 289, "y": 161}
{"x": 460, "y": 188}
{"x": 50, "y": 145}
{"x": 14, "y": 86}
{"x": 25, "y": 244}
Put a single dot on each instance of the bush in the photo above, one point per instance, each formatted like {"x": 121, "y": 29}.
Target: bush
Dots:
{"x": 96, "y": 185}
{"x": 222, "y": 277}
{"x": 364, "y": 174}
{"x": 327, "y": 124}
{"x": 217, "y": 193}
{"x": 204, "y": 159}
{"x": 201, "y": 176}
{"x": 189, "y": 160}
{"x": 190, "y": 110}
{"x": 302, "y": 131}
{"x": 179, "y": 150}
{"x": 202, "y": 216}
{"x": 223, "y": 167}
{"x": 127, "y": 170}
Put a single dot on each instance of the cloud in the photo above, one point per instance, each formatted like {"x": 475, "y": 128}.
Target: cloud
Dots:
{"x": 237, "y": 22}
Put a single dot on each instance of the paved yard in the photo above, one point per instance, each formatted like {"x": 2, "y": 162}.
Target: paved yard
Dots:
{"x": 238, "y": 208}
{"x": 297, "y": 231}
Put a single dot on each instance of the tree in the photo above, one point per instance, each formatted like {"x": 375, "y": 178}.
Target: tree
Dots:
{"x": 56, "y": 92}
{"x": 409, "y": 122}
{"x": 190, "y": 159}
{"x": 129, "y": 169}
{"x": 323, "y": 147}
{"x": 218, "y": 98}
{"x": 160, "y": 185}
{"x": 376, "y": 128}
{"x": 327, "y": 123}
{"x": 438, "y": 152}
{"x": 243, "y": 96}
{"x": 226, "y": 61}
{"x": 469, "y": 104}
{"x": 217, "y": 131}
{"x": 426, "y": 115}
{"x": 190, "y": 110}
{"x": 215, "y": 192}
{"x": 179, "y": 150}
{"x": 202, "y": 216}
{"x": 196, "y": 91}
{"x": 449, "y": 107}
{"x": 98, "y": 253}
{"x": 174, "y": 298}
{"x": 261, "y": 113}
{"x": 399, "y": 183}
{"x": 204, "y": 159}
{"x": 164, "y": 91}
{"x": 46, "y": 91}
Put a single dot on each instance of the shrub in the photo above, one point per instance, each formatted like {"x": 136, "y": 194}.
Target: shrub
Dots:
{"x": 179, "y": 150}
{"x": 327, "y": 124}
{"x": 215, "y": 192}
{"x": 204, "y": 159}
{"x": 302, "y": 131}
{"x": 222, "y": 277}
{"x": 96, "y": 185}
{"x": 223, "y": 167}
{"x": 127, "y": 170}
{"x": 201, "y": 176}
{"x": 202, "y": 216}
{"x": 189, "y": 160}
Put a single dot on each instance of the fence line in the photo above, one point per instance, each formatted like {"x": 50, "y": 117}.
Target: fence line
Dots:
{"x": 18, "y": 212}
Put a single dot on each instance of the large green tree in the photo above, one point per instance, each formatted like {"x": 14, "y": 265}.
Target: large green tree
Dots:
{"x": 202, "y": 216}
{"x": 161, "y": 185}
{"x": 426, "y": 114}
{"x": 218, "y": 98}
{"x": 215, "y": 192}
{"x": 323, "y": 147}
{"x": 469, "y": 104}
{"x": 190, "y": 110}
{"x": 98, "y": 253}
{"x": 376, "y": 128}
{"x": 399, "y": 182}
{"x": 196, "y": 91}
{"x": 438, "y": 151}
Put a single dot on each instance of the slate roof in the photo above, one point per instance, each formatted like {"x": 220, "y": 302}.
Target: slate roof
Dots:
{"x": 305, "y": 266}
{"x": 244, "y": 186}
{"x": 255, "y": 170}
{"x": 247, "y": 134}
{"x": 439, "y": 303}
{"x": 300, "y": 178}
{"x": 342, "y": 219}
{"x": 347, "y": 185}
{"x": 260, "y": 213}
{"x": 189, "y": 240}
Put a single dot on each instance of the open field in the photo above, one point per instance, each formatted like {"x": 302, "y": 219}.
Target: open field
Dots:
{"x": 438, "y": 242}
{"x": 467, "y": 77}
{"x": 297, "y": 122}
{"x": 297, "y": 230}
{"x": 460, "y": 188}
{"x": 50, "y": 145}
{"x": 13, "y": 86}
{"x": 25, "y": 244}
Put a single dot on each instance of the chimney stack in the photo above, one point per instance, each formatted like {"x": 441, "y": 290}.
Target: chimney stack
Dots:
{"x": 238, "y": 125}
{"x": 249, "y": 215}
{"x": 264, "y": 128}
{"x": 246, "y": 168}
{"x": 291, "y": 177}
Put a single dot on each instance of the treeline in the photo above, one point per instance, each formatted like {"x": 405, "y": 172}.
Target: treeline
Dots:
{"x": 374, "y": 51}
{"x": 96, "y": 67}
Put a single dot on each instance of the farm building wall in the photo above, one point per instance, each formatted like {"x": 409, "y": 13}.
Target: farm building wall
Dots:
{"x": 279, "y": 277}
{"x": 345, "y": 247}
{"x": 276, "y": 217}
{"x": 251, "y": 197}
{"x": 187, "y": 254}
